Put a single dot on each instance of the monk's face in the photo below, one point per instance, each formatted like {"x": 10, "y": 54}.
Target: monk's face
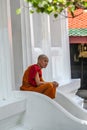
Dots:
{"x": 43, "y": 62}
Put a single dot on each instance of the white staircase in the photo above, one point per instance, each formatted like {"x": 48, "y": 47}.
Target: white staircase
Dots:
{"x": 34, "y": 111}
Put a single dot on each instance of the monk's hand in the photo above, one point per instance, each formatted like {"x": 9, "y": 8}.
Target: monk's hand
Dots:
{"x": 55, "y": 84}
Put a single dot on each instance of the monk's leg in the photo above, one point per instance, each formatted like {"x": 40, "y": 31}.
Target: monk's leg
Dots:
{"x": 27, "y": 88}
{"x": 47, "y": 89}
{"x": 51, "y": 92}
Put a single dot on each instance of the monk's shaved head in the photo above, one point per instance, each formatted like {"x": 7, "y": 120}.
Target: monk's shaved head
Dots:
{"x": 42, "y": 56}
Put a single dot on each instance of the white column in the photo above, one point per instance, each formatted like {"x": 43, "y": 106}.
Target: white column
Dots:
{"x": 26, "y": 34}
{"x": 46, "y": 46}
{"x": 66, "y": 70}
{"x": 23, "y": 30}
{"x": 16, "y": 43}
{"x": 5, "y": 57}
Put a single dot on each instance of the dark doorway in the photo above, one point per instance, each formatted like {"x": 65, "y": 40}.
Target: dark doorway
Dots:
{"x": 78, "y": 65}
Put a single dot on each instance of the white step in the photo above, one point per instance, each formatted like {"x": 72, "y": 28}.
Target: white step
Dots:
{"x": 21, "y": 127}
{"x": 78, "y": 100}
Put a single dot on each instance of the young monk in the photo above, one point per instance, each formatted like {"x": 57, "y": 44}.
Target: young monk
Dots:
{"x": 33, "y": 81}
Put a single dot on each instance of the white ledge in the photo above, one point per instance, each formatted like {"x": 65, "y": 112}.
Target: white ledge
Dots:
{"x": 11, "y": 106}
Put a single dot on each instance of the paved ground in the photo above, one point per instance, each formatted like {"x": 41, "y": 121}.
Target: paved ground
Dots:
{"x": 82, "y": 93}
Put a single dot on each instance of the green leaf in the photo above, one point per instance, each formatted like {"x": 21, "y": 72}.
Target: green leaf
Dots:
{"x": 55, "y": 15}
{"x": 55, "y": 6}
{"x": 50, "y": 8}
{"x": 18, "y": 11}
{"x": 85, "y": 4}
{"x": 31, "y": 11}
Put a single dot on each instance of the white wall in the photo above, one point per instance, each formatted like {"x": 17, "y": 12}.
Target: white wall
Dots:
{"x": 60, "y": 49}
{"x": 50, "y": 36}
{"x": 23, "y": 37}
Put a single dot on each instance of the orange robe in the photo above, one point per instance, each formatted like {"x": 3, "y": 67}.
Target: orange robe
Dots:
{"x": 47, "y": 88}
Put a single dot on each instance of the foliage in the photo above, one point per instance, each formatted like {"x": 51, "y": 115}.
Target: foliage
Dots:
{"x": 56, "y": 6}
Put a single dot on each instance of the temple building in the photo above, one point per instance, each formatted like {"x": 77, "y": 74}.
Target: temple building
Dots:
{"x": 78, "y": 46}
{"x": 22, "y": 39}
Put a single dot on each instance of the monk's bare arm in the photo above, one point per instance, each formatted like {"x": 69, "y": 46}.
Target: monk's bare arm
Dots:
{"x": 37, "y": 79}
{"x": 38, "y": 82}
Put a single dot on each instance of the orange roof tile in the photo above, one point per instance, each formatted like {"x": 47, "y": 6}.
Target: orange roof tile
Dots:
{"x": 80, "y": 21}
